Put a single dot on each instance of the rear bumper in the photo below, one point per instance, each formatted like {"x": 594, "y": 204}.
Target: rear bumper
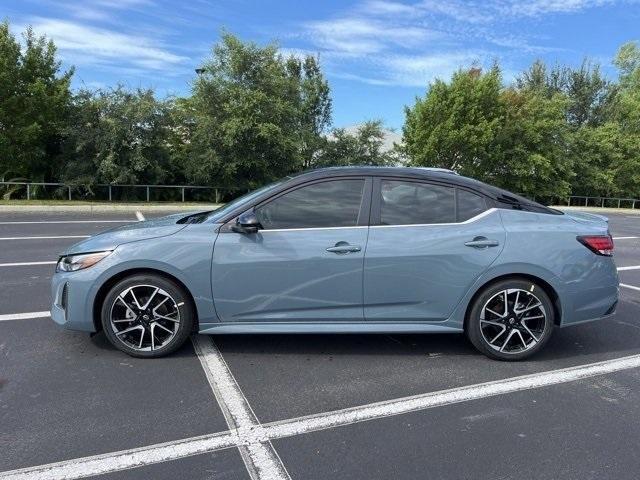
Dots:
{"x": 589, "y": 320}
{"x": 589, "y": 305}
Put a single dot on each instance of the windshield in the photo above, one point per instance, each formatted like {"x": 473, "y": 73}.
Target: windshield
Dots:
{"x": 222, "y": 211}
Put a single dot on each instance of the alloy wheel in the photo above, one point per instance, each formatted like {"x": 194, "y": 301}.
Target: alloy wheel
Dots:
{"x": 144, "y": 317}
{"x": 513, "y": 321}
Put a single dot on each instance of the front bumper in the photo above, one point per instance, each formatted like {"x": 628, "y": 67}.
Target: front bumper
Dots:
{"x": 72, "y": 296}
{"x": 59, "y": 294}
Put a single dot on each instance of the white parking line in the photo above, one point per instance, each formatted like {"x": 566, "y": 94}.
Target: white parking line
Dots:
{"x": 399, "y": 406}
{"x": 259, "y": 456}
{"x": 633, "y": 267}
{"x": 122, "y": 460}
{"x": 27, "y": 264}
{"x": 624, "y": 238}
{"x": 23, "y": 316}
{"x": 67, "y": 221}
{"x": 630, "y": 286}
{"x": 44, "y": 238}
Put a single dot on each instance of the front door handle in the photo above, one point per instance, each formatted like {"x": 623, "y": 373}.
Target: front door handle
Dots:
{"x": 344, "y": 247}
{"x": 482, "y": 242}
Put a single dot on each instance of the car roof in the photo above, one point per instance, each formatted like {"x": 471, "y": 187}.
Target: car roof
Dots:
{"x": 423, "y": 173}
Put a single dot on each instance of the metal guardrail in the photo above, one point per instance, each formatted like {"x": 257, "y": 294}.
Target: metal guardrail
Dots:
{"x": 30, "y": 189}
{"x": 586, "y": 201}
{"x": 602, "y": 202}
{"x": 217, "y": 193}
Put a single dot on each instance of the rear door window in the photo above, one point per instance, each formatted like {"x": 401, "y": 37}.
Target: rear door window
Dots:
{"x": 413, "y": 203}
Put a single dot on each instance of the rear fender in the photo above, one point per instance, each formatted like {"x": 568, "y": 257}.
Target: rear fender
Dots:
{"x": 457, "y": 319}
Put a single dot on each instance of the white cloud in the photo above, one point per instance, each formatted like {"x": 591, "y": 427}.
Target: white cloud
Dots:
{"x": 543, "y": 7}
{"x": 459, "y": 11}
{"x": 100, "y": 10}
{"x": 385, "y": 7}
{"x": 421, "y": 69}
{"x": 365, "y": 36}
{"x": 82, "y": 45}
{"x": 390, "y": 42}
{"x": 496, "y": 10}
{"x": 87, "y": 12}
{"x": 410, "y": 70}
{"x": 299, "y": 53}
{"x": 123, "y": 4}
{"x": 384, "y": 42}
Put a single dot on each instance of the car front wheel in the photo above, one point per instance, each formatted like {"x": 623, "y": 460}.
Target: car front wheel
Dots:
{"x": 510, "y": 320}
{"x": 147, "y": 316}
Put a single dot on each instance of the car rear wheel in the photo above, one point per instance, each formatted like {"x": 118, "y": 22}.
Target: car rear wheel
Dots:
{"x": 510, "y": 320}
{"x": 147, "y": 316}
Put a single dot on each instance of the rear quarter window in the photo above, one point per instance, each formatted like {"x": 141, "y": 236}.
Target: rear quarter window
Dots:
{"x": 469, "y": 205}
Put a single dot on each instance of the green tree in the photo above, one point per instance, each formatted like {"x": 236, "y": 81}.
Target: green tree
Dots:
{"x": 627, "y": 109}
{"x": 118, "y": 136}
{"x": 181, "y": 125}
{"x": 589, "y": 94}
{"x": 624, "y": 159}
{"x": 609, "y": 163}
{"x": 34, "y": 105}
{"x": 516, "y": 138}
{"x": 531, "y": 148}
{"x": 628, "y": 62}
{"x": 315, "y": 107}
{"x": 258, "y": 115}
{"x": 455, "y": 125}
{"x": 363, "y": 147}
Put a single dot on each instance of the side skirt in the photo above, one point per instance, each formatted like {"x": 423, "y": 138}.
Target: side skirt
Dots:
{"x": 325, "y": 327}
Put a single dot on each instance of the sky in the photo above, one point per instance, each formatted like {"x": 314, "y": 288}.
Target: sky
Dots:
{"x": 377, "y": 54}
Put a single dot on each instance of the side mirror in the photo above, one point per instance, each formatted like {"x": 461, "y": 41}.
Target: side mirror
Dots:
{"x": 247, "y": 222}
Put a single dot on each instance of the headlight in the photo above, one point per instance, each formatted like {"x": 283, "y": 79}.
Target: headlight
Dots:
{"x": 71, "y": 263}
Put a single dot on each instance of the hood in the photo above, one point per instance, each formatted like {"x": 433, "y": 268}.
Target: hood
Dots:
{"x": 133, "y": 232}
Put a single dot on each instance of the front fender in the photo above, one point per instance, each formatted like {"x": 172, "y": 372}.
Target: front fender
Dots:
{"x": 185, "y": 255}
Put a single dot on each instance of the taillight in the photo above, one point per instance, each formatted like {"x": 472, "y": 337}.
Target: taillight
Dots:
{"x": 598, "y": 244}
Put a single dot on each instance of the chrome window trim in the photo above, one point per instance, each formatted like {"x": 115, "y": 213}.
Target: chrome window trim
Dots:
{"x": 471, "y": 220}
{"x": 311, "y": 229}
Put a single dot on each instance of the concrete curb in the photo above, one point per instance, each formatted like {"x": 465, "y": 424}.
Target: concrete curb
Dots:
{"x": 106, "y": 208}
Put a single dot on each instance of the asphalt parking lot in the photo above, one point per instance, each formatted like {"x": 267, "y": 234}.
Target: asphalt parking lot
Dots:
{"x": 306, "y": 407}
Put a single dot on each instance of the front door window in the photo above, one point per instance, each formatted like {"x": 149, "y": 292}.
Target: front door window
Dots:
{"x": 334, "y": 203}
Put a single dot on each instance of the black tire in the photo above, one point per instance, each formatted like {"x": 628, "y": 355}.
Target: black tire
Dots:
{"x": 513, "y": 321}
{"x": 177, "y": 307}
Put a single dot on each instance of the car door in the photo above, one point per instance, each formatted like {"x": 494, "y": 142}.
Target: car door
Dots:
{"x": 304, "y": 264}
{"x": 427, "y": 245}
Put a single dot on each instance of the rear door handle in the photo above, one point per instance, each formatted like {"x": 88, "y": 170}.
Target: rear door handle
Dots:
{"x": 482, "y": 242}
{"x": 344, "y": 247}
